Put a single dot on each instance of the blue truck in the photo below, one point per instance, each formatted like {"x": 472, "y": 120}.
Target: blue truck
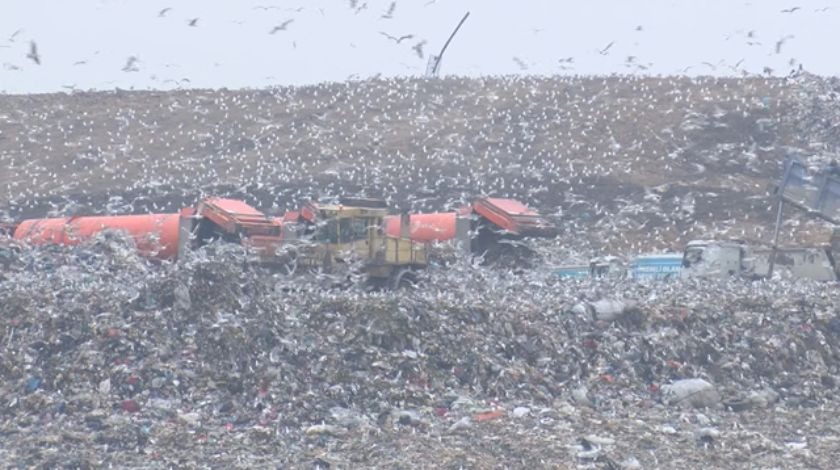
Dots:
{"x": 659, "y": 267}
{"x": 645, "y": 267}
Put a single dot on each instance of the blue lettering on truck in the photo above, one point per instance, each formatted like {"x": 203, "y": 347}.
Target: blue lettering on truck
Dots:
{"x": 656, "y": 266}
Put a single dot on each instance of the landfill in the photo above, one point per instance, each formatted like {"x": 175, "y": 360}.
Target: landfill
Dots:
{"x": 109, "y": 359}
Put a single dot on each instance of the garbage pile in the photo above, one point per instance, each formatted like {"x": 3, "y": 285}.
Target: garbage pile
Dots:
{"x": 816, "y": 115}
{"x": 109, "y": 359}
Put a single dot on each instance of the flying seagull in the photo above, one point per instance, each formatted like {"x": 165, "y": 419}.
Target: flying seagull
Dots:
{"x": 33, "y": 53}
{"x": 12, "y": 37}
{"x": 522, "y": 65}
{"x": 162, "y": 13}
{"x": 418, "y": 48}
{"x": 282, "y": 26}
{"x": 390, "y": 13}
{"x": 129, "y": 65}
{"x": 395, "y": 39}
{"x": 193, "y": 22}
{"x": 605, "y": 50}
{"x": 791, "y": 10}
{"x": 781, "y": 42}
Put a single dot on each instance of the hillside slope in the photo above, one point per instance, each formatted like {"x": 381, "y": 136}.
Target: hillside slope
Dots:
{"x": 631, "y": 163}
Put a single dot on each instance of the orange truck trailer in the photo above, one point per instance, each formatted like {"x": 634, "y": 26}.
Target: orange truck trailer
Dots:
{"x": 166, "y": 236}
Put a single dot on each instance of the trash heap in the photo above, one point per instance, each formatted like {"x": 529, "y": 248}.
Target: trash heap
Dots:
{"x": 816, "y": 116}
{"x": 108, "y": 359}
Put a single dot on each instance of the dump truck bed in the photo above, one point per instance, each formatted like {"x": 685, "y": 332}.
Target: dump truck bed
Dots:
{"x": 236, "y": 216}
{"x": 513, "y": 217}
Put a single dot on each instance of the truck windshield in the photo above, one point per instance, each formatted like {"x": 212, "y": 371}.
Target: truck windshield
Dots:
{"x": 692, "y": 256}
{"x": 353, "y": 230}
{"x": 327, "y": 231}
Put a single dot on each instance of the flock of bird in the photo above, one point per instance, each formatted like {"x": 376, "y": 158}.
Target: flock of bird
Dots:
{"x": 620, "y": 154}
{"x": 132, "y": 61}
{"x": 564, "y": 64}
{"x": 597, "y": 152}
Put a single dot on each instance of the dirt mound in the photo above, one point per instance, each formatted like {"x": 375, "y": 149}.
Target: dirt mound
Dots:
{"x": 634, "y": 163}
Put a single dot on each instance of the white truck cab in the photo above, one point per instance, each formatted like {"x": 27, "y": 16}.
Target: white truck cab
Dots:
{"x": 711, "y": 258}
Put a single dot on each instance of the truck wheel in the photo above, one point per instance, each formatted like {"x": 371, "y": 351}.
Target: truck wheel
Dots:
{"x": 402, "y": 279}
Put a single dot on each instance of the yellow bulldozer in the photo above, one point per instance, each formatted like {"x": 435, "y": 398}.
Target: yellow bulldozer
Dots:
{"x": 352, "y": 233}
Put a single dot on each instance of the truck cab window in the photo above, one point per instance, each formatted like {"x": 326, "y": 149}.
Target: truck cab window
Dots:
{"x": 692, "y": 256}
{"x": 327, "y": 231}
{"x": 353, "y": 230}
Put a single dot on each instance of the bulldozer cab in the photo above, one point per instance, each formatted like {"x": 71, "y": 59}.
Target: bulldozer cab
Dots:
{"x": 353, "y": 229}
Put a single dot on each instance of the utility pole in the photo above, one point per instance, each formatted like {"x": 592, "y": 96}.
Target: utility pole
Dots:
{"x": 433, "y": 67}
{"x": 778, "y": 225}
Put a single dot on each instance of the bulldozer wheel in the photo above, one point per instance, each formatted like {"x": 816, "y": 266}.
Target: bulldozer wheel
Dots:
{"x": 402, "y": 279}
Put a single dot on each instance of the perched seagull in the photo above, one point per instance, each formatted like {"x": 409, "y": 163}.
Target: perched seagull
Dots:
{"x": 390, "y": 13}
{"x": 129, "y": 65}
{"x": 395, "y": 39}
{"x": 33, "y": 53}
{"x": 418, "y": 48}
{"x": 162, "y": 13}
{"x": 605, "y": 50}
{"x": 282, "y": 26}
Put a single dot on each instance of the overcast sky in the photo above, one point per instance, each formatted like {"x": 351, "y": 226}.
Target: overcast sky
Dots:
{"x": 86, "y": 43}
